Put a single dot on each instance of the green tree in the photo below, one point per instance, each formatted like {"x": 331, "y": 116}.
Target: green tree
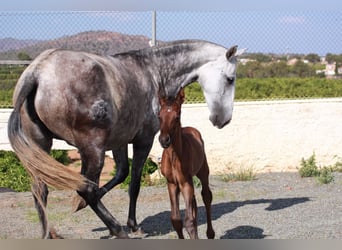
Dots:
{"x": 313, "y": 58}
{"x": 23, "y": 56}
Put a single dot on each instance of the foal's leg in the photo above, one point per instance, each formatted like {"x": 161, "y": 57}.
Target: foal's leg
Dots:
{"x": 140, "y": 153}
{"x": 92, "y": 164}
{"x": 176, "y": 219}
{"x": 188, "y": 192}
{"x": 207, "y": 197}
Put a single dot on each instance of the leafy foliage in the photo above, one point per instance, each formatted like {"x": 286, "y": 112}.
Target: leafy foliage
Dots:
{"x": 149, "y": 167}
{"x": 309, "y": 168}
{"x": 12, "y": 173}
{"x": 14, "y": 176}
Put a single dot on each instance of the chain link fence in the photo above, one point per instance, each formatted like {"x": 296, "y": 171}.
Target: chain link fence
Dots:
{"x": 280, "y": 36}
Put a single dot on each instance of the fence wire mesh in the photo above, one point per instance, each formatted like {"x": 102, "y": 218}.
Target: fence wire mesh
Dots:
{"x": 279, "y": 36}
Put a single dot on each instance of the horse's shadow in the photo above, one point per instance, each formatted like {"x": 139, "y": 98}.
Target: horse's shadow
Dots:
{"x": 244, "y": 232}
{"x": 160, "y": 224}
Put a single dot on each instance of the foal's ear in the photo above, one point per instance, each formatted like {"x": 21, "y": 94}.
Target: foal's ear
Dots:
{"x": 181, "y": 96}
{"x": 161, "y": 96}
{"x": 231, "y": 52}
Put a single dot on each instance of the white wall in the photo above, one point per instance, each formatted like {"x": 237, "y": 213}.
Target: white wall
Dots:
{"x": 271, "y": 135}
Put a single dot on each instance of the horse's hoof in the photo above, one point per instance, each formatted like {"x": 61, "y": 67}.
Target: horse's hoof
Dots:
{"x": 78, "y": 203}
{"x": 133, "y": 226}
{"x": 139, "y": 231}
{"x": 121, "y": 235}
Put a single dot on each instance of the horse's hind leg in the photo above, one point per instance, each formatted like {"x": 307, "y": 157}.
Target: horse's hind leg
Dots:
{"x": 40, "y": 194}
{"x": 207, "y": 197}
{"x": 40, "y": 135}
{"x": 92, "y": 164}
{"x": 122, "y": 170}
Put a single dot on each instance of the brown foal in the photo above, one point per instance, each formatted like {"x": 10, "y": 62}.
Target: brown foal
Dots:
{"x": 183, "y": 157}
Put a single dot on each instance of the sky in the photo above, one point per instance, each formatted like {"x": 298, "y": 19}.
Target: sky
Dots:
{"x": 265, "y": 26}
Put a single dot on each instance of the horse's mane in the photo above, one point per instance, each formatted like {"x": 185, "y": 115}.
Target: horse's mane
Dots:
{"x": 167, "y": 48}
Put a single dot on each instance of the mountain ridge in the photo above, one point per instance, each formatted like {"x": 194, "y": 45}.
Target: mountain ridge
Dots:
{"x": 99, "y": 42}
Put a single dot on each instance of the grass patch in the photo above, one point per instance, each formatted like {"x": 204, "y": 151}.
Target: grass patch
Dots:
{"x": 242, "y": 174}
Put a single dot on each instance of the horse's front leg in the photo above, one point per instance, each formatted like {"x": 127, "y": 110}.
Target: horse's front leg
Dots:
{"x": 140, "y": 153}
{"x": 190, "y": 220}
{"x": 176, "y": 219}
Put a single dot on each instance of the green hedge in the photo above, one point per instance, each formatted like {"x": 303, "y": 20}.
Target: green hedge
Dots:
{"x": 14, "y": 176}
{"x": 287, "y": 88}
{"x": 246, "y": 89}
{"x": 276, "y": 88}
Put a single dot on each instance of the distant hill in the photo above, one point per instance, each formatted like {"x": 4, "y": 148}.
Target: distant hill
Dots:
{"x": 100, "y": 42}
{"x": 7, "y": 44}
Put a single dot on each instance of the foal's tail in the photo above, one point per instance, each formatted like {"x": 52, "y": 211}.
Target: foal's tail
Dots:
{"x": 38, "y": 163}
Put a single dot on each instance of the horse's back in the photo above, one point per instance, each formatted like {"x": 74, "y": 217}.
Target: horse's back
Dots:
{"x": 193, "y": 149}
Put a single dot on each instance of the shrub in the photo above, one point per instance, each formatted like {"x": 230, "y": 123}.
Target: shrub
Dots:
{"x": 149, "y": 167}
{"x": 14, "y": 176}
{"x": 309, "y": 168}
{"x": 325, "y": 176}
{"x": 61, "y": 156}
{"x": 12, "y": 173}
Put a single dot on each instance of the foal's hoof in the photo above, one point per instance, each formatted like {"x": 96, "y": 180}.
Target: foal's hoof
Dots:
{"x": 78, "y": 203}
{"x": 54, "y": 235}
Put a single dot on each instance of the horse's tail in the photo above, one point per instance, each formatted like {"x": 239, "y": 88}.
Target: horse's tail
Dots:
{"x": 38, "y": 163}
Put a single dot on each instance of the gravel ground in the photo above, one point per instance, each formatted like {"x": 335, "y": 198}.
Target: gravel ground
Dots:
{"x": 275, "y": 206}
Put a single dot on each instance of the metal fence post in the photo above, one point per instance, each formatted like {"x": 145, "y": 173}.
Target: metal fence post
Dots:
{"x": 153, "y": 41}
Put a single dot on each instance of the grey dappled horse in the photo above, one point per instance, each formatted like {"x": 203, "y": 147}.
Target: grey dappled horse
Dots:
{"x": 99, "y": 103}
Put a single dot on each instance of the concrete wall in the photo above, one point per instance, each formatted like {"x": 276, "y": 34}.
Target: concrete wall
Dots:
{"x": 266, "y": 135}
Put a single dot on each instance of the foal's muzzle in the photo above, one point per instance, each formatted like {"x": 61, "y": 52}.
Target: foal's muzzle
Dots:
{"x": 165, "y": 141}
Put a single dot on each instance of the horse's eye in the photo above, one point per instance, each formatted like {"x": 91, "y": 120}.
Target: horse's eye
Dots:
{"x": 230, "y": 79}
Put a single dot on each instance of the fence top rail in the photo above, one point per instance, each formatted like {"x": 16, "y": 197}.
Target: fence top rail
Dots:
{"x": 15, "y": 62}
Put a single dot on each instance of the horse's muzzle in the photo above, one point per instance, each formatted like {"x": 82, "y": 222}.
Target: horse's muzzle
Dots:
{"x": 217, "y": 123}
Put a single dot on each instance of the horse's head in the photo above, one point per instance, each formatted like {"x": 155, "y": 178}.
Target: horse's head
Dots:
{"x": 169, "y": 117}
{"x": 217, "y": 79}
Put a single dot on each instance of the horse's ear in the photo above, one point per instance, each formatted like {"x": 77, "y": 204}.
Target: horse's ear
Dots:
{"x": 231, "y": 52}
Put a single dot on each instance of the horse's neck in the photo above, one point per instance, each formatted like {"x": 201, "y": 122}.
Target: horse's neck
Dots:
{"x": 177, "y": 142}
{"x": 177, "y": 67}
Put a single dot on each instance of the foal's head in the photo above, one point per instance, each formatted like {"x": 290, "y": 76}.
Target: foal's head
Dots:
{"x": 169, "y": 117}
